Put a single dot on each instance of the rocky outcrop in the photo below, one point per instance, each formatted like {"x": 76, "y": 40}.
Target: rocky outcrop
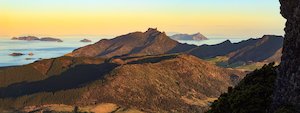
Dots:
{"x": 287, "y": 93}
{"x": 197, "y": 36}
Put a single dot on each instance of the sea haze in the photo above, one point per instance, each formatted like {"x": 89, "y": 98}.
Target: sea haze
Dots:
{"x": 46, "y": 50}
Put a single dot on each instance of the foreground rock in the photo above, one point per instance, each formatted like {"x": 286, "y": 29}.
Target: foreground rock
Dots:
{"x": 287, "y": 94}
{"x": 33, "y": 38}
{"x": 85, "y": 40}
{"x": 164, "y": 83}
{"x": 197, "y": 36}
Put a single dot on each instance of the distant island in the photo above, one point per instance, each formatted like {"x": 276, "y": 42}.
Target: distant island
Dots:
{"x": 197, "y": 36}
{"x": 85, "y": 40}
{"x": 33, "y": 38}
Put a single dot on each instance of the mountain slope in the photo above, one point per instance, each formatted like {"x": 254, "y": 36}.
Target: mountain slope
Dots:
{"x": 168, "y": 83}
{"x": 154, "y": 42}
{"x": 151, "y": 42}
{"x": 263, "y": 49}
{"x": 222, "y": 49}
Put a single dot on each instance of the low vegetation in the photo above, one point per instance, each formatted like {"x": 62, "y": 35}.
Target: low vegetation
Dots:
{"x": 251, "y": 95}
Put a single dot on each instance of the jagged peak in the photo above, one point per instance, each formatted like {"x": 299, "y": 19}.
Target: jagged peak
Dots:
{"x": 151, "y": 29}
{"x": 154, "y": 32}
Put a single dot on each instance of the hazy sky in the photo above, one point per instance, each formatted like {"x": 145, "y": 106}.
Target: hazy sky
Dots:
{"x": 213, "y": 18}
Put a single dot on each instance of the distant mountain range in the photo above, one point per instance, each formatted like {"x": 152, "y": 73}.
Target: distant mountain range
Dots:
{"x": 197, "y": 36}
{"x": 146, "y": 71}
{"x": 154, "y": 42}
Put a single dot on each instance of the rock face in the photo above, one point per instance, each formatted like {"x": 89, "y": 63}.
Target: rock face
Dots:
{"x": 197, "y": 36}
{"x": 287, "y": 93}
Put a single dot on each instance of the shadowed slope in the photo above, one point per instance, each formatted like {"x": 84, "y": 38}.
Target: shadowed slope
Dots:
{"x": 264, "y": 48}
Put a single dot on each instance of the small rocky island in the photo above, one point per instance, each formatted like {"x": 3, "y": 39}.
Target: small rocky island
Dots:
{"x": 85, "y": 40}
{"x": 20, "y": 54}
{"x": 33, "y": 38}
{"x": 16, "y": 54}
{"x": 197, "y": 36}
{"x": 51, "y": 39}
{"x": 27, "y": 38}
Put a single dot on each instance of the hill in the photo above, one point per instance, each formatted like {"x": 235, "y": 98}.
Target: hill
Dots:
{"x": 167, "y": 83}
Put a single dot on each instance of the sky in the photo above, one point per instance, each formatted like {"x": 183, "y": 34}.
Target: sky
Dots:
{"x": 213, "y": 18}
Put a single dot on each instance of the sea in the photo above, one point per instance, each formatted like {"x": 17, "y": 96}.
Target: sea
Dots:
{"x": 46, "y": 50}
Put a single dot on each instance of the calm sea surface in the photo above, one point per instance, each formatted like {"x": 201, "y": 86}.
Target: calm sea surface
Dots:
{"x": 45, "y": 50}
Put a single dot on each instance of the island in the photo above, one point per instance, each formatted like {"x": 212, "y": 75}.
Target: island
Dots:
{"x": 27, "y": 38}
{"x": 34, "y": 38}
{"x": 85, "y": 40}
{"x": 197, "y": 36}
{"x": 51, "y": 39}
{"x": 16, "y": 54}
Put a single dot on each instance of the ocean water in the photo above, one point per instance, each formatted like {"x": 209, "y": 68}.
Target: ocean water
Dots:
{"x": 40, "y": 49}
{"x": 46, "y": 50}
